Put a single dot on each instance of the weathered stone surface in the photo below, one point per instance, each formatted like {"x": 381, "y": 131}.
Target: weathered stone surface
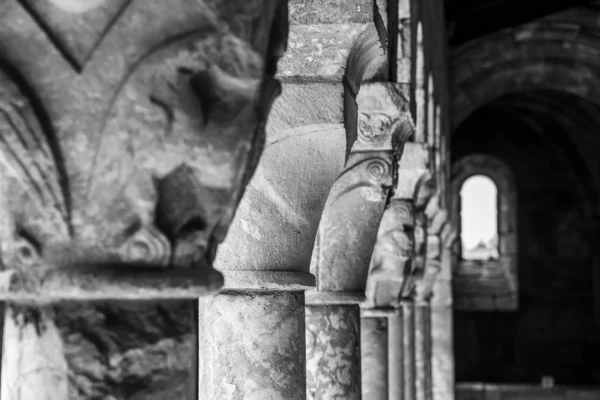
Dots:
{"x": 319, "y": 50}
{"x": 374, "y": 358}
{"x": 333, "y": 352}
{"x": 396, "y": 355}
{"x": 60, "y": 19}
{"x": 321, "y": 36}
{"x": 304, "y": 104}
{"x": 252, "y": 346}
{"x": 312, "y": 12}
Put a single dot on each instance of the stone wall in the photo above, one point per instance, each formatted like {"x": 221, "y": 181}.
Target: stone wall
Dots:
{"x": 554, "y": 331}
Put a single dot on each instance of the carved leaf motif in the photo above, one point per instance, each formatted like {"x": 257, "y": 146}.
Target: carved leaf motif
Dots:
{"x": 29, "y": 159}
{"x": 76, "y": 27}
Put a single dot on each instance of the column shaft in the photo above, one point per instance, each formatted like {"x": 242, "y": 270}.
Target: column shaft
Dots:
{"x": 333, "y": 352}
{"x": 396, "y": 356}
{"x": 423, "y": 351}
{"x": 374, "y": 355}
{"x": 409, "y": 350}
{"x": 252, "y": 346}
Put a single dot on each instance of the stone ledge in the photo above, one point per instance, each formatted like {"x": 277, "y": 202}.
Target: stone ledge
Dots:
{"x": 268, "y": 280}
{"x": 107, "y": 282}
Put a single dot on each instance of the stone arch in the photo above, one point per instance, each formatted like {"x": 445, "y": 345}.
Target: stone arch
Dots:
{"x": 493, "y": 284}
{"x": 521, "y": 59}
{"x": 558, "y": 53}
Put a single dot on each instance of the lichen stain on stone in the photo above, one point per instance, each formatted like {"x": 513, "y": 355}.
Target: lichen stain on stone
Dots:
{"x": 251, "y": 341}
{"x": 316, "y": 50}
{"x": 332, "y": 352}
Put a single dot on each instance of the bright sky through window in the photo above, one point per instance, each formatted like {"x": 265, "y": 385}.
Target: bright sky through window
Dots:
{"x": 479, "y": 217}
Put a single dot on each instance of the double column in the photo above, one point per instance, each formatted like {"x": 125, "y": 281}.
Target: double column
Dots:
{"x": 345, "y": 240}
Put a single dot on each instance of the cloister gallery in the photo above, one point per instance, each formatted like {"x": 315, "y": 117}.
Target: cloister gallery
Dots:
{"x": 313, "y": 199}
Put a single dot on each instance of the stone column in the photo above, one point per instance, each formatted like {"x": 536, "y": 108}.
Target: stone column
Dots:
{"x": 333, "y": 345}
{"x": 375, "y": 353}
{"x": 423, "y": 350}
{"x": 345, "y": 240}
{"x": 410, "y": 386}
{"x": 440, "y": 236}
{"x": 396, "y": 355}
{"x": 252, "y": 341}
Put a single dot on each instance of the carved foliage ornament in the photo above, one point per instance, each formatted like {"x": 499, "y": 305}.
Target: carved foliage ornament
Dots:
{"x": 164, "y": 177}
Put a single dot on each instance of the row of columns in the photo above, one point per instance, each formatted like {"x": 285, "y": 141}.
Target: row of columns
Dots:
{"x": 363, "y": 333}
{"x": 369, "y": 319}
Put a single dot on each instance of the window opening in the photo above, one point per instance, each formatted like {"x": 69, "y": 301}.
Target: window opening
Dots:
{"x": 479, "y": 219}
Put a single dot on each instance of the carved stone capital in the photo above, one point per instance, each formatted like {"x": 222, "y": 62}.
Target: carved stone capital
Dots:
{"x": 384, "y": 122}
{"x": 357, "y": 200}
{"x": 136, "y": 206}
{"x": 399, "y": 256}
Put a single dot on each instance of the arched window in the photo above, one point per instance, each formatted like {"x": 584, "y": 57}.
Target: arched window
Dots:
{"x": 478, "y": 219}
{"x": 484, "y": 212}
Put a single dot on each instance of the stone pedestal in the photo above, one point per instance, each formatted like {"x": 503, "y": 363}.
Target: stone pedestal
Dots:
{"x": 333, "y": 352}
{"x": 252, "y": 346}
